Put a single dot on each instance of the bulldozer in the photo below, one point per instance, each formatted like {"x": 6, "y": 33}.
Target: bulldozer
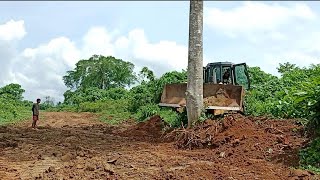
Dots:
{"x": 223, "y": 89}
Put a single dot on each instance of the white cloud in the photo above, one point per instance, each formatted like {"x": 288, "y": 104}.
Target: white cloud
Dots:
{"x": 268, "y": 33}
{"x": 40, "y": 69}
{"x": 252, "y": 17}
{"x": 12, "y": 30}
{"x": 122, "y": 42}
{"x": 299, "y": 58}
{"x": 9, "y": 33}
{"x": 269, "y": 61}
{"x": 166, "y": 54}
{"x": 6, "y": 54}
{"x": 97, "y": 41}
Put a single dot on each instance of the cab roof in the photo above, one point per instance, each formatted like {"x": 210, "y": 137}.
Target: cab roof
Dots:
{"x": 220, "y": 63}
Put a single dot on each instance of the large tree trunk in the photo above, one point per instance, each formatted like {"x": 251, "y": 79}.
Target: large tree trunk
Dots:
{"x": 194, "y": 94}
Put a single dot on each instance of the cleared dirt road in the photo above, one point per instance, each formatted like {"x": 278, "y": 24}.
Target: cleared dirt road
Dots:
{"x": 78, "y": 146}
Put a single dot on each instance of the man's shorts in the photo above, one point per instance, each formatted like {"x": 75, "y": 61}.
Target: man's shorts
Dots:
{"x": 35, "y": 117}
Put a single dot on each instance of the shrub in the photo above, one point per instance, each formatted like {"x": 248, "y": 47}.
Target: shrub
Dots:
{"x": 168, "y": 115}
{"x": 12, "y": 111}
{"x": 147, "y": 111}
{"x": 310, "y": 155}
{"x": 171, "y": 117}
{"x": 110, "y": 111}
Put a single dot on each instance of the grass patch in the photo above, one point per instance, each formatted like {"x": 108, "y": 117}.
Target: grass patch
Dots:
{"x": 11, "y": 113}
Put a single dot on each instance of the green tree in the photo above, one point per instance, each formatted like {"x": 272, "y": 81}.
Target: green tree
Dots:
{"x": 146, "y": 75}
{"x": 12, "y": 91}
{"x": 74, "y": 97}
{"x": 12, "y": 107}
{"x": 290, "y": 96}
{"x": 286, "y": 67}
{"x": 259, "y": 77}
{"x": 100, "y": 72}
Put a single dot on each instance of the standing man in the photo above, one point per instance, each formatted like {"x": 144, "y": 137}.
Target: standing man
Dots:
{"x": 35, "y": 112}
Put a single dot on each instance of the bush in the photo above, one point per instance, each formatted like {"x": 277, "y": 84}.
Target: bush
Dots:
{"x": 110, "y": 111}
{"x": 12, "y": 111}
{"x": 147, "y": 111}
{"x": 114, "y": 117}
{"x": 171, "y": 117}
{"x": 168, "y": 115}
{"x": 310, "y": 155}
{"x": 115, "y": 111}
{"x": 91, "y": 107}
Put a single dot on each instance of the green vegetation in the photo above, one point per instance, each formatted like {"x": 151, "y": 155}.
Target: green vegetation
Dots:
{"x": 12, "y": 107}
{"x": 101, "y": 72}
{"x": 310, "y": 156}
{"x": 293, "y": 95}
{"x": 102, "y": 85}
{"x": 296, "y": 94}
{"x": 172, "y": 118}
{"x": 111, "y": 111}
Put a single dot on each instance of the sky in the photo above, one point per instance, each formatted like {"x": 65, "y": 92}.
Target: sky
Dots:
{"x": 40, "y": 41}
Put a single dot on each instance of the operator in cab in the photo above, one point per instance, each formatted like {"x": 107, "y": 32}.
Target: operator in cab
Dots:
{"x": 226, "y": 77}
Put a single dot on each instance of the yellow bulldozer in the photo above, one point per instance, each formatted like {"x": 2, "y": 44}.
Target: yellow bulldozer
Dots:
{"x": 223, "y": 89}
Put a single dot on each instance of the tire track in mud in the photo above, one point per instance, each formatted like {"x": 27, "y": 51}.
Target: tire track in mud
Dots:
{"x": 78, "y": 146}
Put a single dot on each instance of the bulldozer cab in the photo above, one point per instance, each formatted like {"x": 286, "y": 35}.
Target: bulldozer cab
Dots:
{"x": 223, "y": 88}
{"x": 226, "y": 73}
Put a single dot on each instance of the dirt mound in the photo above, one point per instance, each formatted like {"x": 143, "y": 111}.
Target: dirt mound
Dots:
{"x": 152, "y": 128}
{"x": 247, "y": 137}
{"x": 219, "y": 101}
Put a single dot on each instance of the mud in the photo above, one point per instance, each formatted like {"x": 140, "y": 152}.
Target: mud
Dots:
{"x": 220, "y": 101}
{"x": 152, "y": 130}
{"x": 77, "y": 146}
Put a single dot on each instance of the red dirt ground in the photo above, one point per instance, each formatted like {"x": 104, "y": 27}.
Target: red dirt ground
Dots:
{"x": 77, "y": 146}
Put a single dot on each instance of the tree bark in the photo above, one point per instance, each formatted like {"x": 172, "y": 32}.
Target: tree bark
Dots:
{"x": 194, "y": 93}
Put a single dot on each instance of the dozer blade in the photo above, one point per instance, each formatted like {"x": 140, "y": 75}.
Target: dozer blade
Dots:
{"x": 216, "y": 96}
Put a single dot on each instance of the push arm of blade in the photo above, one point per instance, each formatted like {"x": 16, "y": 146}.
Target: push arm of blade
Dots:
{"x": 169, "y": 105}
{"x": 224, "y": 108}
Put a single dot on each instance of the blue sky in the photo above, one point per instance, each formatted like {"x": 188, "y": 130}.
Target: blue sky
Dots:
{"x": 40, "y": 41}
